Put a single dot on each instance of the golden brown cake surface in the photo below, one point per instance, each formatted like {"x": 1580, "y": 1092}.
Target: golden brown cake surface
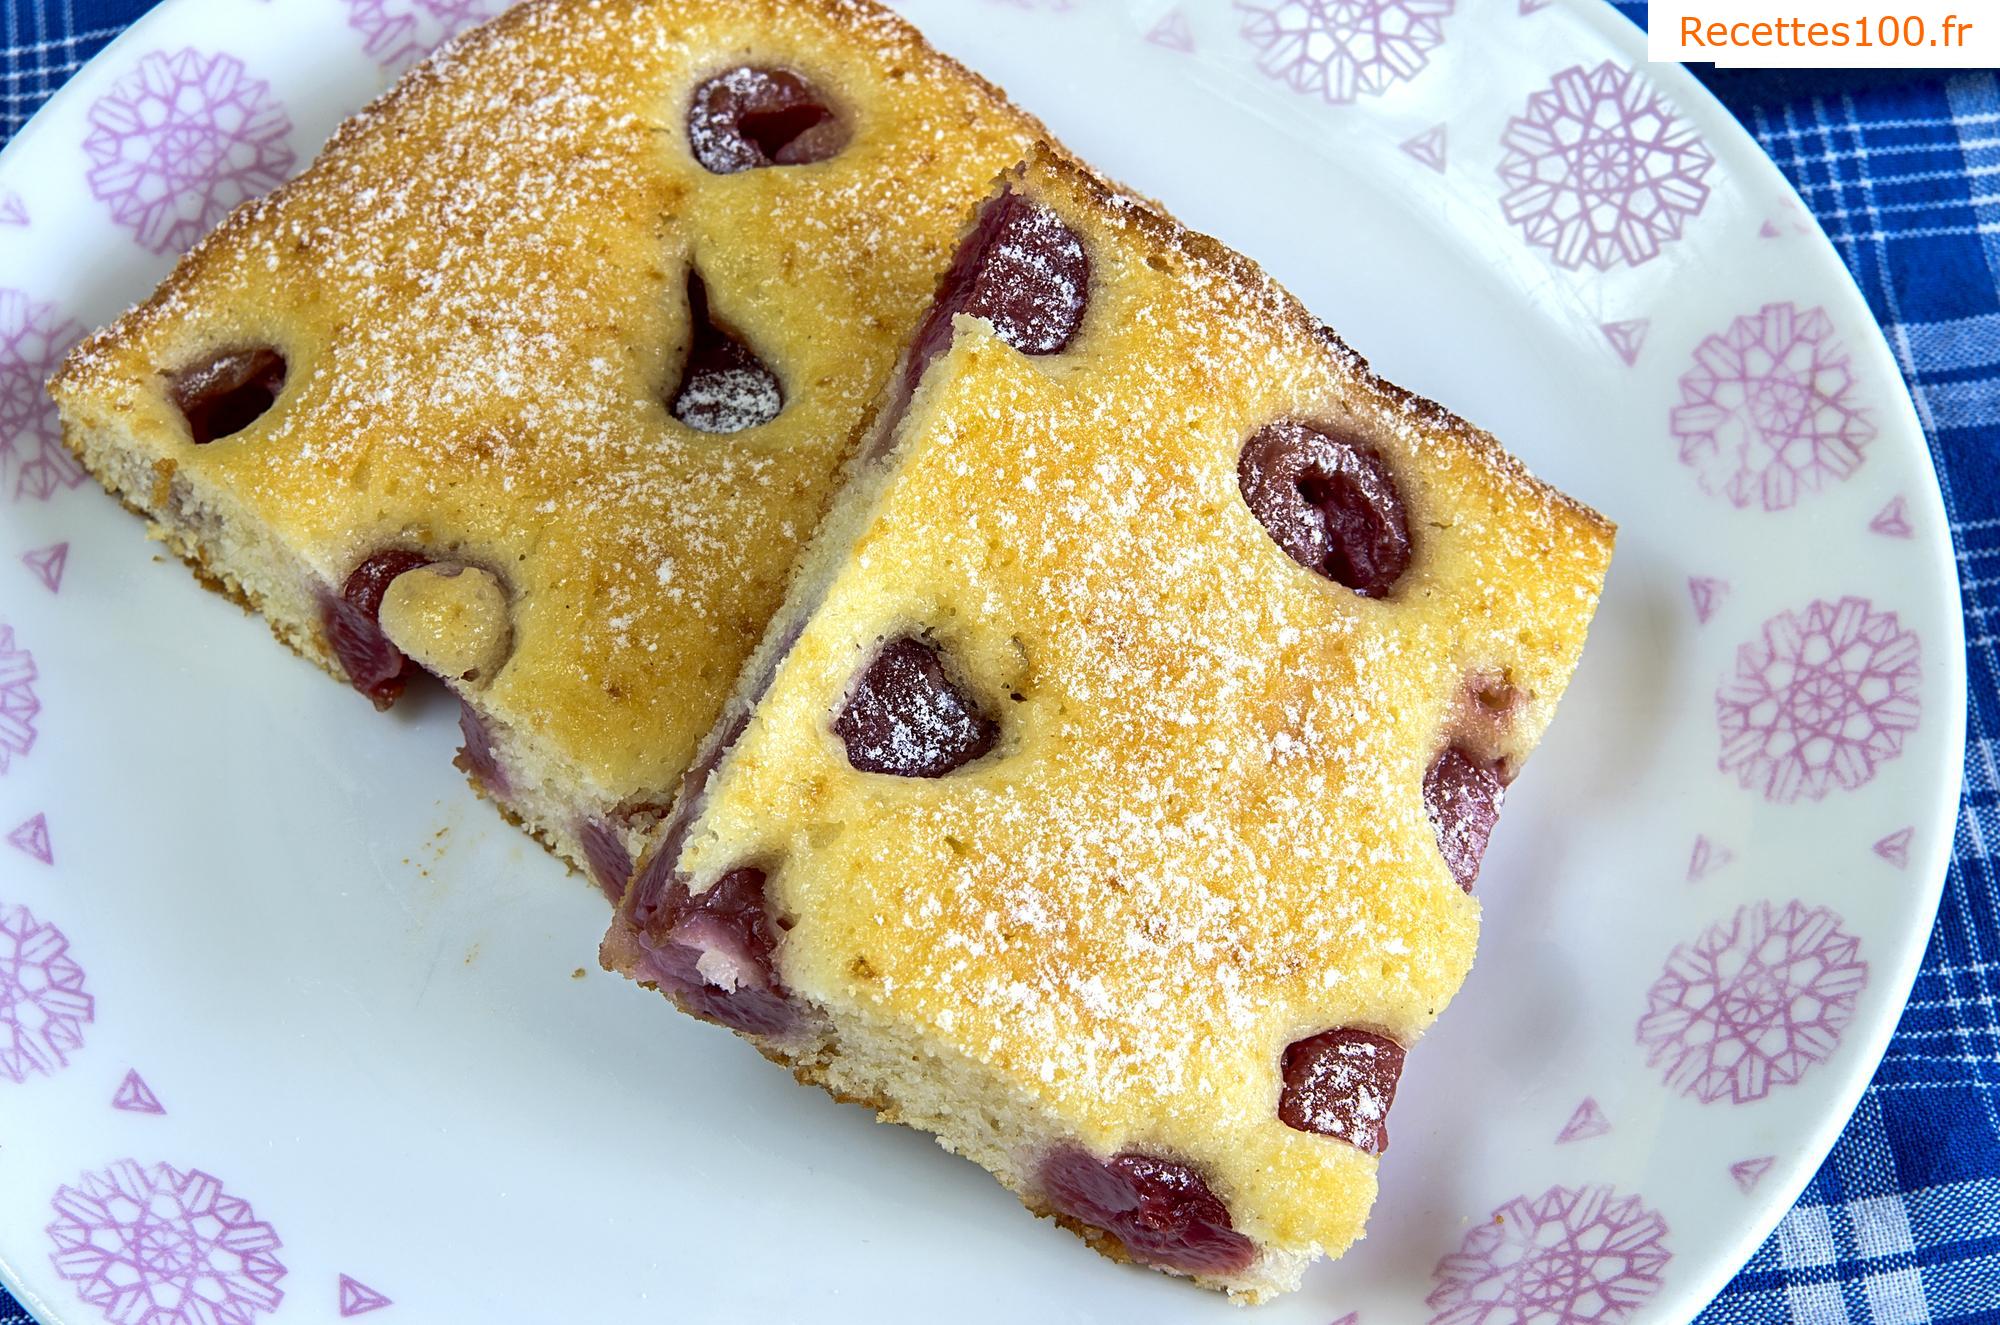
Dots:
{"x": 1201, "y": 832}
{"x": 480, "y": 292}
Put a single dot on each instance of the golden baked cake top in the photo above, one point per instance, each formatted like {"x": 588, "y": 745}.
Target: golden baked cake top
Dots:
{"x": 1091, "y": 776}
{"x": 474, "y": 310}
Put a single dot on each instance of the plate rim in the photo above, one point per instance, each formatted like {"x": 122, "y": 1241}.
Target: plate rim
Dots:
{"x": 1748, "y": 160}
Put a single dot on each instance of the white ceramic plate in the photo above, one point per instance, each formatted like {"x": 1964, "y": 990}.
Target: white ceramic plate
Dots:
{"x": 292, "y": 1026}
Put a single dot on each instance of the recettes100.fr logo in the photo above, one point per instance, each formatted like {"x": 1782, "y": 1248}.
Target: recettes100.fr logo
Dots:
{"x": 1854, "y": 34}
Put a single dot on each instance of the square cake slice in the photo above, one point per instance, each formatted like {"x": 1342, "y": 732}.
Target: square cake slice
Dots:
{"x": 541, "y": 376}
{"x": 1108, "y": 797}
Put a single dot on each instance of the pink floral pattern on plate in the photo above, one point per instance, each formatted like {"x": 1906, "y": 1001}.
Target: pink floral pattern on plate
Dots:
{"x": 1627, "y": 337}
{"x": 1432, "y": 147}
{"x": 157, "y": 1245}
{"x": 182, "y": 139}
{"x": 46, "y": 563}
{"x": 1752, "y": 1003}
{"x": 1821, "y": 700}
{"x": 1173, "y": 32}
{"x": 1893, "y": 520}
{"x": 33, "y": 339}
{"x": 395, "y": 33}
{"x": 1571, "y": 1256}
{"x": 1600, "y": 171}
{"x": 31, "y": 837}
{"x": 1769, "y": 412}
{"x": 18, "y": 705}
{"x": 358, "y": 1299}
{"x": 43, "y": 1003}
{"x": 1338, "y": 49}
{"x": 135, "y": 1096}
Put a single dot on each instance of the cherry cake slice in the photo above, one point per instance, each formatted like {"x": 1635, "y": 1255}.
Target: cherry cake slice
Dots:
{"x": 1110, "y": 793}
{"x": 538, "y": 380}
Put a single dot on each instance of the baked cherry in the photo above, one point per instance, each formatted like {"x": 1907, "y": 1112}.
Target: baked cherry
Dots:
{"x": 1329, "y": 502}
{"x": 1340, "y": 1083}
{"x": 227, "y": 392}
{"x": 750, "y": 117}
{"x": 1161, "y": 1211}
{"x": 610, "y": 862}
{"x": 1462, "y": 794}
{"x": 724, "y": 386}
{"x": 476, "y": 756}
{"x": 904, "y": 716}
{"x": 712, "y": 951}
{"x": 1023, "y": 270}
{"x": 353, "y": 624}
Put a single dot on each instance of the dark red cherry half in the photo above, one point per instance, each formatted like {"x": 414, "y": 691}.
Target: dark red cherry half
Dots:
{"x": 476, "y": 756}
{"x": 906, "y": 717}
{"x": 1162, "y": 1211}
{"x": 1462, "y": 794}
{"x": 353, "y": 621}
{"x": 724, "y": 386}
{"x": 712, "y": 951}
{"x": 1340, "y": 1083}
{"x": 750, "y": 117}
{"x": 228, "y": 392}
{"x": 610, "y": 862}
{"x": 1329, "y": 502}
{"x": 1022, "y": 269}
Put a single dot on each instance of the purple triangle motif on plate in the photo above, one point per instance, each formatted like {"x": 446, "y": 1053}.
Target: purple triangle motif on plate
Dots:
{"x": 1172, "y": 32}
{"x": 1749, "y": 1172}
{"x": 135, "y": 1096}
{"x": 47, "y": 564}
{"x": 33, "y": 838}
{"x": 1428, "y": 147}
{"x": 357, "y": 1298}
{"x": 1530, "y": 6}
{"x": 1707, "y": 595}
{"x": 1627, "y": 337}
{"x": 12, "y": 210}
{"x": 1893, "y": 520}
{"x": 1895, "y": 848}
{"x": 1706, "y": 858}
{"x": 1351, "y": 1318}
{"x": 1586, "y": 1122}
{"x": 1768, "y": 230}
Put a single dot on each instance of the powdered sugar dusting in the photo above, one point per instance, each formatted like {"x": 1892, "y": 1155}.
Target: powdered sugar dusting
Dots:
{"x": 729, "y": 401}
{"x": 1202, "y": 833}
{"x": 478, "y": 290}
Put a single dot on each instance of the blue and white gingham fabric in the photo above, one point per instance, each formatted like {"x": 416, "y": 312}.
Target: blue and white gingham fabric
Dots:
{"x": 1902, "y": 1224}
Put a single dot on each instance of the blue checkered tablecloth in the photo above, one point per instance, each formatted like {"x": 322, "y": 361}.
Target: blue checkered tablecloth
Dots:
{"x": 1902, "y": 1224}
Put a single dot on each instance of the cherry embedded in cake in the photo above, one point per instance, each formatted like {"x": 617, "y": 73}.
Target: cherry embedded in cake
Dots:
{"x": 353, "y": 623}
{"x": 1462, "y": 795}
{"x": 906, "y": 717}
{"x": 1094, "y": 761}
{"x": 715, "y": 957}
{"x": 749, "y": 117}
{"x": 1160, "y": 1212}
{"x": 1330, "y": 502}
{"x": 1340, "y": 1083}
{"x": 226, "y": 393}
{"x": 1022, "y": 271}
{"x": 724, "y": 386}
